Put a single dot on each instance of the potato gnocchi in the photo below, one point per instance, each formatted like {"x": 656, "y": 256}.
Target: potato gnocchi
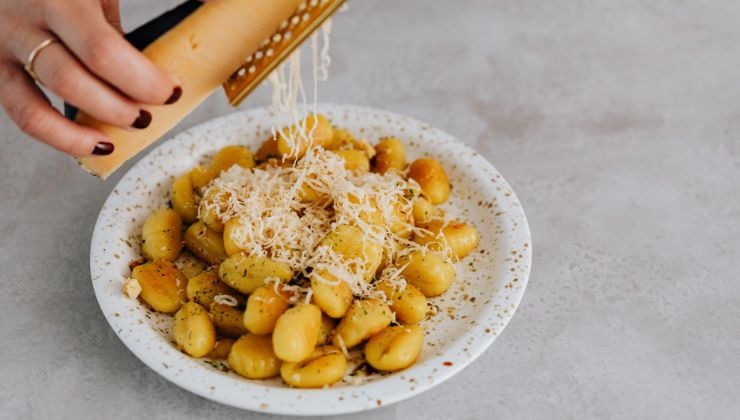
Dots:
{"x": 292, "y": 260}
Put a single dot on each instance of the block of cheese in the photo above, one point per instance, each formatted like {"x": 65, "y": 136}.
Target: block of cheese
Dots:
{"x": 200, "y": 53}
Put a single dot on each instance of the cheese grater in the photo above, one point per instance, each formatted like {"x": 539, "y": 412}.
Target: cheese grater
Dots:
{"x": 276, "y": 49}
{"x": 308, "y": 17}
{"x": 229, "y": 44}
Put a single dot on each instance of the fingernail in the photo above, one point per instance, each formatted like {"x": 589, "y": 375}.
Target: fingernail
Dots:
{"x": 103, "y": 148}
{"x": 143, "y": 120}
{"x": 176, "y": 93}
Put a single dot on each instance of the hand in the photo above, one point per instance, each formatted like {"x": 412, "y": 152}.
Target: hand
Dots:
{"x": 91, "y": 67}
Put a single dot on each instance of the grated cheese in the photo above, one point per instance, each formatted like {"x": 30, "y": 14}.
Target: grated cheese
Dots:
{"x": 132, "y": 288}
{"x": 226, "y": 300}
{"x": 275, "y": 222}
{"x": 288, "y": 91}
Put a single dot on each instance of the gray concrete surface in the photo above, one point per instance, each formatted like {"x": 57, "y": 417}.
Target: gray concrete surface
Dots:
{"x": 618, "y": 124}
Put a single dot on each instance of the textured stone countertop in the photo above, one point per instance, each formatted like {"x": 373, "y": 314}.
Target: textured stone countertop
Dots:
{"x": 616, "y": 122}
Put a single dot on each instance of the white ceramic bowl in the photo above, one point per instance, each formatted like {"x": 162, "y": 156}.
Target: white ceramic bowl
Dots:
{"x": 490, "y": 285}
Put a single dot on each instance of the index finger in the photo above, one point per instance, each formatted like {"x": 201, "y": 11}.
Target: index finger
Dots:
{"x": 107, "y": 54}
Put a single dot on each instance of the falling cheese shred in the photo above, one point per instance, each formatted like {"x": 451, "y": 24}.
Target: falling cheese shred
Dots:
{"x": 275, "y": 222}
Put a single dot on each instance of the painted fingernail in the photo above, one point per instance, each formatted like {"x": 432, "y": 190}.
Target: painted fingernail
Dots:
{"x": 176, "y": 93}
{"x": 103, "y": 148}
{"x": 143, "y": 120}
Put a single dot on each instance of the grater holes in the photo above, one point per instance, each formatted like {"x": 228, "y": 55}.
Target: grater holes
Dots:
{"x": 270, "y": 52}
{"x": 258, "y": 55}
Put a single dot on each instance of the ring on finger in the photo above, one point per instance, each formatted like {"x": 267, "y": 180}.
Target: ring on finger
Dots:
{"x": 34, "y": 53}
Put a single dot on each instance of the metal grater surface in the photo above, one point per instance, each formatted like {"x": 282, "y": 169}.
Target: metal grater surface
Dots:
{"x": 274, "y": 50}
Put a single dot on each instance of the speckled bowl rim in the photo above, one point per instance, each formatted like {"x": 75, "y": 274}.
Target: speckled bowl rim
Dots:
{"x": 331, "y": 401}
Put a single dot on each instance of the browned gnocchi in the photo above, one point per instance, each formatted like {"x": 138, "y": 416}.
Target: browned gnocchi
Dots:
{"x": 303, "y": 256}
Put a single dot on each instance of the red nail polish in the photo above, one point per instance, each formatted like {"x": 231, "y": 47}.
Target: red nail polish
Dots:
{"x": 176, "y": 93}
{"x": 103, "y": 148}
{"x": 143, "y": 120}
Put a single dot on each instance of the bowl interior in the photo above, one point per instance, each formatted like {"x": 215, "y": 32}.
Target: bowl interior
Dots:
{"x": 489, "y": 286}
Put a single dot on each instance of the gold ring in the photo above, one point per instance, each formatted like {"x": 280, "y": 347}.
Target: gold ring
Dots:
{"x": 32, "y": 57}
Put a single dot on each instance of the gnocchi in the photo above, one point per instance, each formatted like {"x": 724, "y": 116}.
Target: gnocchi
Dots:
{"x": 183, "y": 199}
{"x": 331, "y": 294}
{"x": 222, "y": 349}
{"x": 409, "y": 304}
{"x": 251, "y": 356}
{"x": 193, "y": 330}
{"x": 299, "y": 253}
{"x": 429, "y": 272}
{"x": 230, "y": 156}
{"x": 432, "y": 178}
{"x": 162, "y": 235}
{"x": 205, "y": 243}
{"x": 317, "y": 124}
{"x": 460, "y": 238}
{"x": 297, "y": 332}
{"x": 394, "y": 348}
{"x": 162, "y": 285}
{"x": 264, "y": 306}
{"x": 325, "y": 366}
{"x": 354, "y": 160}
{"x": 389, "y": 156}
{"x": 230, "y": 245}
{"x": 228, "y": 320}
{"x": 364, "y": 318}
{"x": 205, "y": 286}
{"x": 350, "y": 242}
{"x": 246, "y": 273}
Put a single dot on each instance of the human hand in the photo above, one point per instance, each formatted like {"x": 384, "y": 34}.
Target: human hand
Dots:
{"x": 91, "y": 67}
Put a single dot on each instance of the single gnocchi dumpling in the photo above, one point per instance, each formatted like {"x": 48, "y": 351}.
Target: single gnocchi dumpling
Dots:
{"x": 162, "y": 235}
{"x": 252, "y": 357}
{"x": 460, "y": 238}
{"x": 407, "y": 302}
{"x": 264, "y": 306}
{"x": 429, "y": 272}
{"x": 389, "y": 156}
{"x": 364, "y": 318}
{"x": 162, "y": 285}
{"x": 325, "y": 366}
{"x": 230, "y": 156}
{"x": 432, "y": 178}
{"x": 297, "y": 332}
{"x": 394, "y": 348}
{"x": 350, "y": 242}
{"x": 331, "y": 294}
{"x": 193, "y": 330}
{"x": 246, "y": 273}
{"x": 183, "y": 199}
{"x": 317, "y": 124}
{"x": 205, "y": 243}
